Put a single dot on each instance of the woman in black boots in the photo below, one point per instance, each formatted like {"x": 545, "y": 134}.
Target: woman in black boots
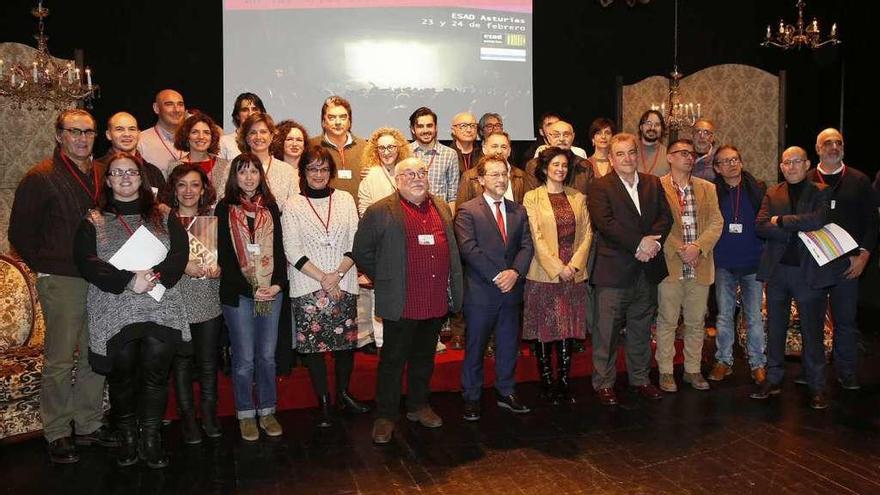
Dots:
{"x": 556, "y": 285}
{"x": 134, "y": 327}
{"x": 190, "y": 195}
{"x": 319, "y": 227}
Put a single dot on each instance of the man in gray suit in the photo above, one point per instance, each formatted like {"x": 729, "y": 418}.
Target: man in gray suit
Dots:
{"x": 405, "y": 244}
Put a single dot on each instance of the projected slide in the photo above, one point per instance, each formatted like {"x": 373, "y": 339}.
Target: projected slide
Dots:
{"x": 387, "y": 57}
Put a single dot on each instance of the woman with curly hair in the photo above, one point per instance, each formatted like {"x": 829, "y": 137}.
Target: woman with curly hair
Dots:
{"x": 384, "y": 149}
{"x": 199, "y": 137}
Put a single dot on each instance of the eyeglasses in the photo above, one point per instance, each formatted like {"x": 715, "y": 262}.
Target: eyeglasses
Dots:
{"x": 496, "y": 175}
{"x": 793, "y": 161}
{"x": 684, "y": 153}
{"x": 651, "y": 124}
{"x": 728, "y": 162}
{"x": 391, "y": 148}
{"x": 412, "y": 174}
{"x": 78, "y": 133}
{"x": 123, "y": 172}
{"x": 557, "y": 135}
{"x": 494, "y": 127}
{"x": 316, "y": 170}
{"x": 465, "y": 125}
{"x": 704, "y": 132}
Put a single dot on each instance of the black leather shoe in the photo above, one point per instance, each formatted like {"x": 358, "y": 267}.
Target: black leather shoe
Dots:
{"x": 649, "y": 391}
{"x": 63, "y": 451}
{"x": 849, "y": 382}
{"x": 766, "y": 389}
{"x": 103, "y": 436}
{"x": 347, "y": 403}
{"x": 471, "y": 410}
{"x": 607, "y": 397}
{"x": 819, "y": 401}
{"x": 511, "y": 403}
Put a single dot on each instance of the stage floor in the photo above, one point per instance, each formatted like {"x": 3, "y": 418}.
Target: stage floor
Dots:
{"x": 690, "y": 442}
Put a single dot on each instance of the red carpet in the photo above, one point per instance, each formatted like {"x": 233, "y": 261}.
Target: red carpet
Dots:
{"x": 295, "y": 390}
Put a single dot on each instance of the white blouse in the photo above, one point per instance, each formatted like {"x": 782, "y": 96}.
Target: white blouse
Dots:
{"x": 305, "y": 235}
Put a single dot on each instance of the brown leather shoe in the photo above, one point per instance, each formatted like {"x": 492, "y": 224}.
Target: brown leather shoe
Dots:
{"x": 382, "y": 430}
{"x": 456, "y": 343}
{"x": 426, "y": 417}
{"x": 649, "y": 391}
{"x": 607, "y": 397}
{"x": 759, "y": 375}
{"x": 720, "y": 371}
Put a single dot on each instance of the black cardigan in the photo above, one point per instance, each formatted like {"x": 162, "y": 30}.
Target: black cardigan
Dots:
{"x": 232, "y": 282}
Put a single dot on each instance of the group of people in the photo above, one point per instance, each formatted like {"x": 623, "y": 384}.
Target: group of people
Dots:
{"x": 376, "y": 243}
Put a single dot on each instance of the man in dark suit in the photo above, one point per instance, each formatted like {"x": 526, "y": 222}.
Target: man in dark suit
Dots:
{"x": 496, "y": 247}
{"x": 796, "y": 205}
{"x": 406, "y": 245}
{"x": 631, "y": 219}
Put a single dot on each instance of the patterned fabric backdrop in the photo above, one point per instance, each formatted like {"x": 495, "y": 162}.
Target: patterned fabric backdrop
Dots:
{"x": 26, "y": 137}
{"x": 742, "y": 101}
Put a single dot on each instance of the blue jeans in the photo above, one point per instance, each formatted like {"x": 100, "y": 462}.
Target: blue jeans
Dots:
{"x": 726, "y": 283}
{"x": 253, "y": 342}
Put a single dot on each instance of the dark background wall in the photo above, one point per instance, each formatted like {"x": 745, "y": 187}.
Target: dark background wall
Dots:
{"x": 580, "y": 48}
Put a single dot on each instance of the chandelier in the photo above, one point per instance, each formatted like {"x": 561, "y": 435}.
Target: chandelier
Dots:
{"x": 677, "y": 113}
{"x": 799, "y": 35}
{"x": 42, "y": 82}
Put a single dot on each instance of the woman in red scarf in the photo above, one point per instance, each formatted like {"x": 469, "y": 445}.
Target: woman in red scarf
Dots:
{"x": 251, "y": 258}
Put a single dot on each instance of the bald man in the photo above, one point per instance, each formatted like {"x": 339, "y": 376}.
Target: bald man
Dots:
{"x": 796, "y": 205}
{"x": 156, "y": 144}
{"x": 853, "y": 207}
{"x": 123, "y": 133}
{"x": 464, "y": 134}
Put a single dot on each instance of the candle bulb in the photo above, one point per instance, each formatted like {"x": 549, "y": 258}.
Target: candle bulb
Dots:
{"x": 699, "y": 111}
{"x": 768, "y": 31}
{"x": 78, "y": 80}
{"x": 69, "y": 73}
{"x": 89, "y": 78}
{"x": 781, "y": 27}
{"x": 1, "y": 68}
{"x": 834, "y": 30}
{"x": 36, "y": 75}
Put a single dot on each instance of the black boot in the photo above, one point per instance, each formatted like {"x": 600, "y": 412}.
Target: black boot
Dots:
{"x": 209, "y": 419}
{"x": 545, "y": 371}
{"x": 127, "y": 454}
{"x": 182, "y": 371}
{"x": 326, "y": 418}
{"x": 155, "y": 364}
{"x": 346, "y": 402}
{"x": 564, "y": 348}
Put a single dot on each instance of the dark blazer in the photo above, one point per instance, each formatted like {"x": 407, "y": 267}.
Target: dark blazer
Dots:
{"x": 619, "y": 229}
{"x": 810, "y": 214}
{"x": 485, "y": 254}
{"x": 380, "y": 252}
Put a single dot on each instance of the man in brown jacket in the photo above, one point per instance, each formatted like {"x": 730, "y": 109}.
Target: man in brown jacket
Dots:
{"x": 696, "y": 228}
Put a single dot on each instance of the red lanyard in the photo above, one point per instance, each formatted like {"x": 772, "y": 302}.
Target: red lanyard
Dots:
{"x": 92, "y": 196}
{"x": 326, "y": 224}
{"x": 736, "y": 208}
{"x": 125, "y": 224}
{"x": 173, "y": 156}
{"x": 656, "y": 155}
{"x": 822, "y": 179}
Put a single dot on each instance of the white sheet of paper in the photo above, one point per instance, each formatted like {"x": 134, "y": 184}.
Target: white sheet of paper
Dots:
{"x": 141, "y": 251}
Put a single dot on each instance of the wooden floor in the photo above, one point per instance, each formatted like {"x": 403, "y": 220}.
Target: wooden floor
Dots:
{"x": 690, "y": 442}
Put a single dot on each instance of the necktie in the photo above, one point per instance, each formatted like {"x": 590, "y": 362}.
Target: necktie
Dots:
{"x": 500, "y": 219}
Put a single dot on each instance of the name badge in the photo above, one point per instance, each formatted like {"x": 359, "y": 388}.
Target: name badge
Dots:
{"x": 253, "y": 249}
{"x": 687, "y": 220}
{"x": 343, "y": 174}
{"x": 735, "y": 228}
{"x": 833, "y": 203}
{"x": 426, "y": 239}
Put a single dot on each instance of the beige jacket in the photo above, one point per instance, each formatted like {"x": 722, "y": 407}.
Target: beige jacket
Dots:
{"x": 709, "y": 225}
{"x": 546, "y": 264}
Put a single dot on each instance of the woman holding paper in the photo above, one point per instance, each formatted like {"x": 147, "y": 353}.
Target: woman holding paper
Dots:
{"x": 319, "y": 227}
{"x": 134, "y": 327}
{"x": 250, "y": 251}
{"x": 190, "y": 196}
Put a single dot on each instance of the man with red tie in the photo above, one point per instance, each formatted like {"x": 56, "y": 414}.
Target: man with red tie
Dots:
{"x": 496, "y": 248}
